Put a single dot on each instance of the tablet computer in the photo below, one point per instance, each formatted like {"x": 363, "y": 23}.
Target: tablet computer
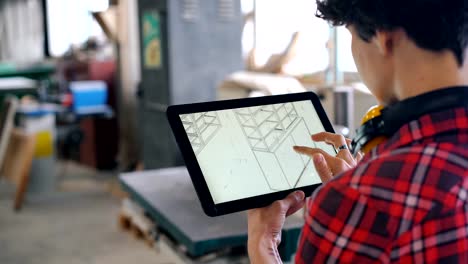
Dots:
{"x": 239, "y": 153}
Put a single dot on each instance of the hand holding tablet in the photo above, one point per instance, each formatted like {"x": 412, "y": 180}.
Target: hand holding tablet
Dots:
{"x": 239, "y": 153}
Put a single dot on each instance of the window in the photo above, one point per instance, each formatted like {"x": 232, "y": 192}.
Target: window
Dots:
{"x": 71, "y": 22}
{"x": 275, "y": 24}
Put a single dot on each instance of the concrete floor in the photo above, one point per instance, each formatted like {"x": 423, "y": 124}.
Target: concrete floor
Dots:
{"x": 75, "y": 225}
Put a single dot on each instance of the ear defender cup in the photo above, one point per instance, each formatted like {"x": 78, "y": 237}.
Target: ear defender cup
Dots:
{"x": 380, "y": 123}
{"x": 371, "y": 132}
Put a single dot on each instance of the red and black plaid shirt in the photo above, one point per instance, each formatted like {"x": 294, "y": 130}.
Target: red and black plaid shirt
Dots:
{"x": 406, "y": 201}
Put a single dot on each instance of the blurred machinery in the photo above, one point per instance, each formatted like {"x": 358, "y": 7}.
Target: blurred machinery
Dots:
{"x": 187, "y": 48}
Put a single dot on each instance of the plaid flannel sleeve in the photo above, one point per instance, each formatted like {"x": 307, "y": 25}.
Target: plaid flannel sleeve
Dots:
{"x": 342, "y": 227}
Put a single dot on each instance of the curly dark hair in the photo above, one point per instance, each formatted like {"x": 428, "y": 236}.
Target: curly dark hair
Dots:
{"x": 434, "y": 25}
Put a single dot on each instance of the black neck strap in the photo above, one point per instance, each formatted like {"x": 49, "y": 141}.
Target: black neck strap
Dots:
{"x": 395, "y": 116}
{"x": 398, "y": 114}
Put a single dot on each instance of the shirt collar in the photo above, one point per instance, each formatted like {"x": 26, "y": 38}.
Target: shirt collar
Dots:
{"x": 428, "y": 126}
{"x": 405, "y": 111}
{"x": 425, "y": 116}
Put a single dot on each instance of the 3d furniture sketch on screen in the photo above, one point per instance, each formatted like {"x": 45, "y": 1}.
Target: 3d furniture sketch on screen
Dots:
{"x": 271, "y": 132}
{"x": 200, "y": 128}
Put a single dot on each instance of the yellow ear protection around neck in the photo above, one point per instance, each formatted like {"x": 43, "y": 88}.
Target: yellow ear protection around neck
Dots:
{"x": 380, "y": 123}
{"x": 369, "y": 135}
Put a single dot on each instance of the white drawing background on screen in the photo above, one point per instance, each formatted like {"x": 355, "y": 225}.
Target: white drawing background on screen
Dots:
{"x": 248, "y": 152}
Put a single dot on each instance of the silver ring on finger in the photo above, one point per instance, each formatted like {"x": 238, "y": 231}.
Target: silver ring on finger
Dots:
{"x": 345, "y": 146}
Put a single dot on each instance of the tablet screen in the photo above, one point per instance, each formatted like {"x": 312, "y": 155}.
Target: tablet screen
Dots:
{"x": 246, "y": 152}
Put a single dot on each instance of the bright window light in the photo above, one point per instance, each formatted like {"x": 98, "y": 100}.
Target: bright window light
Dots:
{"x": 278, "y": 20}
{"x": 98, "y": 5}
{"x": 70, "y": 22}
{"x": 247, "y": 6}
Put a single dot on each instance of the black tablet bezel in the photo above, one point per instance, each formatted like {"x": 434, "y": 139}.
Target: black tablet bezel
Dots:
{"x": 196, "y": 174}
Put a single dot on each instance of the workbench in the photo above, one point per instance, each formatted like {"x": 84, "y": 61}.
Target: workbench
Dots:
{"x": 168, "y": 197}
{"x": 17, "y": 86}
{"x": 39, "y": 71}
{"x": 24, "y": 80}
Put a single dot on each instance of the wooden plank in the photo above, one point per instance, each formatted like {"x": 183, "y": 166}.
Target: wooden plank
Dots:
{"x": 18, "y": 161}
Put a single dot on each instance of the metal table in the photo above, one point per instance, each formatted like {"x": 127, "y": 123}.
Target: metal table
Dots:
{"x": 168, "y": 196}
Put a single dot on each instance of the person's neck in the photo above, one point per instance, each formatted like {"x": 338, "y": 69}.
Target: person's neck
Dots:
{"x": 429, "y": 73}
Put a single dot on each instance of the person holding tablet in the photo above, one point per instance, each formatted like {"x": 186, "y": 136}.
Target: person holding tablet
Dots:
{"x": 406, "y": 200}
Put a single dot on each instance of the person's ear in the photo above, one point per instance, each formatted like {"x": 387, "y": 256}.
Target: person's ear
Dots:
{"x": 385, "y": 42}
